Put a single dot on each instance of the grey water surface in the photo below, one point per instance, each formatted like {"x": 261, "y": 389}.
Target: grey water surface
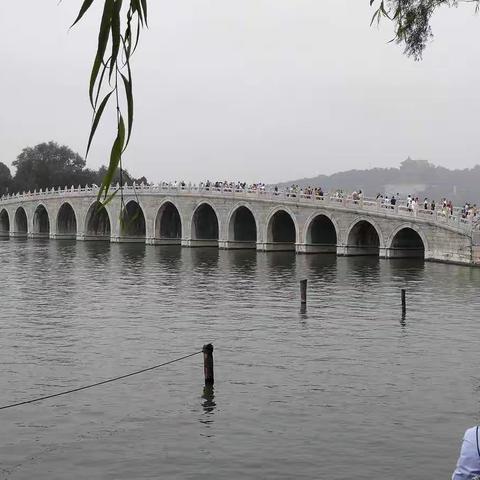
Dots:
{"x": 349, "y": 389}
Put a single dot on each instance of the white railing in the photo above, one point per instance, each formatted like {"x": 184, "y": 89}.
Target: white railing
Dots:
{"x": 439, "y": 215}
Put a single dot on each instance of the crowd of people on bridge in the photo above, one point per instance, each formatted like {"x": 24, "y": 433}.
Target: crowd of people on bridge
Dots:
{"x": 218, "y": 185}
{"x": 295, "y": 190}
{"x": 445, "y": 207}
{"x": 390, "y": 201}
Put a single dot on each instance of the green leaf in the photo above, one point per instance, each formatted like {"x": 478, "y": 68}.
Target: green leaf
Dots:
{"x": 127, "y": 220}
{"x": 115, "y": 157}
{"x": 85, "y": 6}
{"x": 144, "y": 6}
{"x": 102, "y": 43}
{"x": 382, "y": 9}
{"x": 137, "y": 37}
{"x": 108, "y": 199}
{"x": 115, "y": 27}
{"x": 129, "y": 94}
{"x": 99, "y": 86}
{"x": 137, "y": 7}
{"x": 96, "y": 120}
{"x": 127, "y": 40}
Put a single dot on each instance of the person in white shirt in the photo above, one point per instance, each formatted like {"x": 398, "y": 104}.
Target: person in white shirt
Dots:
{"x": 468, "y": 465}
{"x": 409, "y": 202}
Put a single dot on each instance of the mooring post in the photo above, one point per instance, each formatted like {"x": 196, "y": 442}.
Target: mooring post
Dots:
{"x": 208, "y": 364}
{"x": 303, "y": 292}
{"x": 404, "y": 302}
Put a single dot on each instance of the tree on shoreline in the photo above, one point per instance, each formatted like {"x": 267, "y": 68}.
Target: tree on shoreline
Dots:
{"x": 48, "y": 165}
{"x": 5, "y": 179}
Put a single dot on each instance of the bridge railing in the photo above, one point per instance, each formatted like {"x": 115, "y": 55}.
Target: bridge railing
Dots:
{"x": 439, "y": 215}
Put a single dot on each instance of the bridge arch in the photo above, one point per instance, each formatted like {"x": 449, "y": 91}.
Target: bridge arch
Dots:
{"x": 133, "y": 224}
{"x": 407, "y": 241}
{"x": 4, "y": 223}
{"x": 66, "y": 221}
{"x": 364, "y": 237}
{"x": 168, "y": 223}
{"x": 20, "y": 222}
{"x": 41, "y": 222}
{"x": 205, "y": 224}
{"x": 321, "y": 233}
{"x": 97, "y": 223}
{"x": 242, "y": 226}
{"x": 282, "y": 229}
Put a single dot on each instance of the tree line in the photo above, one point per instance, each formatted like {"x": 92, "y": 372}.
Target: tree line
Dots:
{"x": 48, "y": 165}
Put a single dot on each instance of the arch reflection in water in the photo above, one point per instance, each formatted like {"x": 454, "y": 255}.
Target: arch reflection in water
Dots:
{"x": 243, "y": 261}
{"x": 364, "y": 269}
{"x": 407, "y": 270}
{"x": 169, "y": 257}
{"x": 66, "y": 252}
{"x": 41, "y": 222}
{"x": 281, "y": 261}
{"x": 130, "y": 260}
{"x": 4, "y": 224}
{"x": 322, "y": 267}
{"x": 99, "y": 252}
{"x": 204, "y": 260}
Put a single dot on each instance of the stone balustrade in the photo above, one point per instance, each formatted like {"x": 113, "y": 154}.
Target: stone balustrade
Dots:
{"x": 225, "y": 217}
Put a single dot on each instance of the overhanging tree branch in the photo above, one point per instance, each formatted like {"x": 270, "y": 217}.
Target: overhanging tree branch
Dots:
{"x": 115, "y": 49}
{"x": 411, "y": 20}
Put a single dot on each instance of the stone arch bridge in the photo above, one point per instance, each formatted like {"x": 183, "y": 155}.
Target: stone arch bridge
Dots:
{"x": 229, "y": 218}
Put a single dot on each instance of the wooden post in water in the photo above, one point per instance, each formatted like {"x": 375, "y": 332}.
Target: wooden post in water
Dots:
{"x": 303, "y": 292}
{"x": 208, "y": 364}
{"x": 404, "y": 302}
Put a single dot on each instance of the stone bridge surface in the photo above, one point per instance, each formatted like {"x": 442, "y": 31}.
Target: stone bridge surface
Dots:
{"x": 226, "y": 218}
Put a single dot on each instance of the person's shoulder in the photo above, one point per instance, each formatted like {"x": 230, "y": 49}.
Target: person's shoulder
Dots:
{"x": 471, "y": 433}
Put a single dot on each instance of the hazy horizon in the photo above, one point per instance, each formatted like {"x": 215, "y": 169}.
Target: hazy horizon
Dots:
{"x": 254, "y": 90}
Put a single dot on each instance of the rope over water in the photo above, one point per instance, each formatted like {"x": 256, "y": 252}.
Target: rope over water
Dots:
{"x": 103, "y": 382}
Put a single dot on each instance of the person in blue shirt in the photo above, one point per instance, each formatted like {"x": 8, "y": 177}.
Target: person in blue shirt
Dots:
{"x": 468, "y": 465}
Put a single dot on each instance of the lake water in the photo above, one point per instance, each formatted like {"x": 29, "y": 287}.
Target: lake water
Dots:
{"x": 348, "y": 389}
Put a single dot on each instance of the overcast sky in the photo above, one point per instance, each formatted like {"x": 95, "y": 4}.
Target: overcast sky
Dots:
{"x": 248, "y": 89}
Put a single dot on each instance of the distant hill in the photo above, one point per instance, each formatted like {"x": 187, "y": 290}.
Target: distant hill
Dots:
{"x": 415, "y": 177}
